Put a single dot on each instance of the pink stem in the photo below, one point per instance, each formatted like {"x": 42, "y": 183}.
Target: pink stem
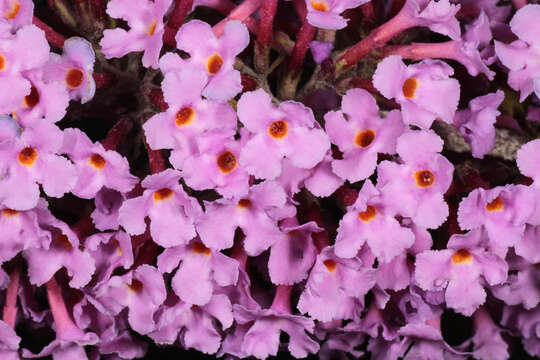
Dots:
{"x": 264, "y": 36}
{"x": 420, "y": 51}
{"x": 52, "y": 36}
{"x": 61, "y": 317}
{"x": 10, "y": 306}
{"x": 282, "y": 299}
{"x": 180, "y": 11}
{"x": 304, "y": 37}
{"x": 241, "y": 13}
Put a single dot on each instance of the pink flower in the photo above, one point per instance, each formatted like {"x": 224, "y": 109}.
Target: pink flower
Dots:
{"x": 326, "y": 14}
{"x": 361, "y": 134}
{"x": 424, "y": 90}
{"x": 16, "y": 13}
{"x": 287, "y": 131}
{"x": 145, "y": 19}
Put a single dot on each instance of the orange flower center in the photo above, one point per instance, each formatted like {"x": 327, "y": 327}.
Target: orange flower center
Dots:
{"x": 9, "y": 212}
{"x": 184, "y": 116}
{"x": 13, "y": 11}
{"x": 74, "y": 78}
{"x": 31, "y": 99}
{"x": 199, "y": 248}
{"x": 136, "y": 285}
{"x": 27, "y": 156}
{"x": 163, "y": 194}
{"x": 461, "y": 256}
{"x": 319, "y": 6}
{"x": 278, "y": 129}
{"x": 2, "y": 63}
{"x": 424, "y": 178}
{"x": 152, "y": 28}
{"x": 330, "y": 265}
{"x": 214, "y": 63}
{"x": 97, "y": 161}
{"x": 409, "y": 87}
{"x": 226, "y": 162}
{"x": 495, "y": 205}
{"x": 244, "y": 203}
{"x": 368, "y": 215}
{"x": 63, "y": 241}
{"x": 364, "y": 138}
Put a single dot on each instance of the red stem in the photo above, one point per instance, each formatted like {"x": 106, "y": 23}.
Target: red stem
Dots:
{"x": 116, "y": 134}
{"x": 179, "y": 14}
{"x": 10, "y": 306}
{"x": 368, "y": 11}
{"x": 303, "y": 38}
{"x": 103, "y": 79}
{"x": 52, "y": 36}
{"x": 98, "y": 8}
{"x": 267, "y": 13}
{"x": 83, "y": 227}
{"x": 156, "y": 97}
{"x": 241, "y": 13}
{"x": 61, "y": 317}
{"x": 155, "y": 160}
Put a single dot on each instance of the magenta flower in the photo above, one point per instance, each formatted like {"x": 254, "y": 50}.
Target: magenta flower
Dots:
{"x": 14, "y": 59}
{"x": 487, "y": 339}
{"x": 438, "y": 16}
{"x": 294, "y": 254}
{"x": 528, "y": 158}
{"x": 215, "y": 56}
{"x": 524, "y": 323}
{"x": 369, "y": 220}
{"x": 477, "y": 123}
{"x": 170, "y": 209}
{"x": 424, "y": 90}
{"x": 361, "y": 134}
{"x": 74, "y": 69}
{"x": 326, "y": 14}
{"x": 216, "y": 166}
{"x": 142, "y": 291}
{"x": 108, "y": 203}
{"x": 415, "y": 188}
{"x": 521, "y": 56}
{"x": 16, "y": 14}
{"x": 31, "y": 159}
{"x": 502, "y": 211}
{"x": 145, "y": 19}
{"x": 187, "y": 117}
{"x": 9, "y": 342}
{"x": 459, "y": 271}
{"x": 320, "y": 51}
{"x": 336, "y": 287}
{"x": 252, "y": 213}
{"x": 288, "y": 131}
{"x": 96, "y": 167}
{"x": 199, "y": 270}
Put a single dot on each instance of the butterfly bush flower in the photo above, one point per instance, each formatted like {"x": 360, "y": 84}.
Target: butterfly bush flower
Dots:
{"x": 438, "y": 16}
{"x": 14, "y": 59}
{"x": 31, "y": 159}
{"x": 170, "y": 209}
{"x": 145, "y": 19}
{"x": 477, "y": 122}
{"x": 487, "y": 339}
{"x": 96, "y": 167}
{"x": 142, "y": 291}
{"x": 424, "y": 90}
{"x": 320, "y": 50}
{"x": 528, "y": 160}
{"x": 63, "y": 252}
{"x": 287, "y": 131}
{"x": 368, "y": 220}
{"x": 361, "y": 134}
{"x": 108, "y": 203}
{"x": 200, "y": 268}
{"x": 521, "y": 287}
{"x": 524, "y": 323}
{"x": 16, "y": 13}
{"x": 252, "y": 214}
{"x": 292, "y": 256}
{"x": 521, "y": 56}
{"x": 415, "y": 188}
{"x": 326, "y": 14}
{"x": 336, "y": 287}
{"x": 9, "y": 342}
{"x": 74, "y": 69}
{"x": 459, "y": 271}
{"x": 195, "y": 326}
{"x": 47, "y": 100}
{"x": 187, "y": 117}
{"x": 502, "y": 211}
{"x": 216, "y": 166}
{"x": 212, "y": 55}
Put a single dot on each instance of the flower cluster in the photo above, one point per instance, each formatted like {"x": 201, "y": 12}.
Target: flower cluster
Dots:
{"x": 356, "y": 200}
